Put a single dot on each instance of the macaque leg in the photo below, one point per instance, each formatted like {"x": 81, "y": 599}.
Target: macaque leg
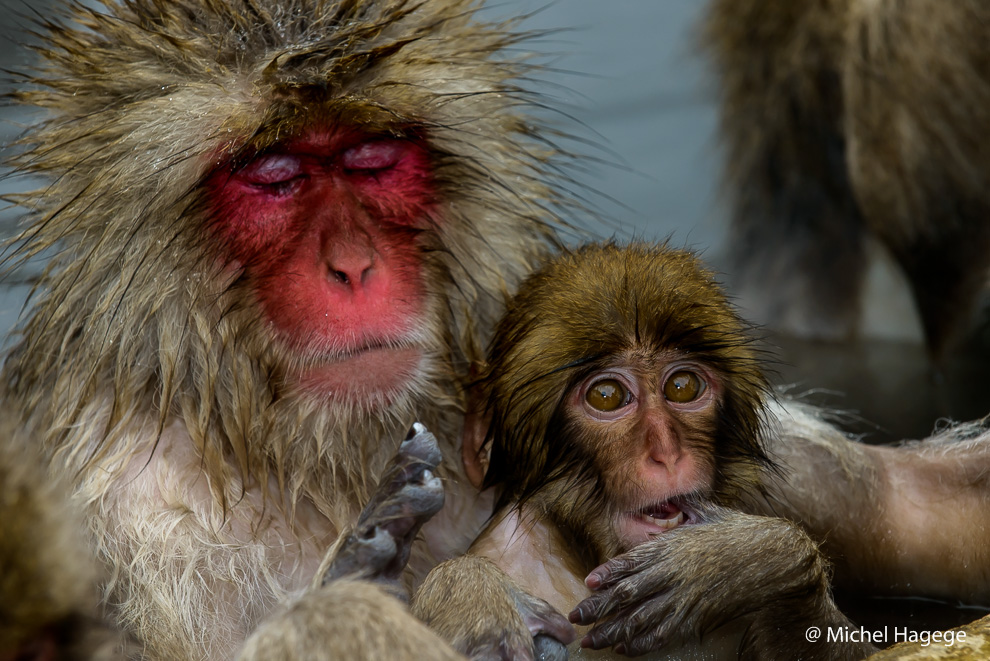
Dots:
{"x": 348, "y": 619}
{"x": 408, "y": 495}
{"x": 484, "y": 614}
{"x": 799, "y": 252}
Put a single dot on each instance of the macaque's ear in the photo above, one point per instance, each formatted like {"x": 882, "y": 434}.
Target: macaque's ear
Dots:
{"x": 476, "y": 421}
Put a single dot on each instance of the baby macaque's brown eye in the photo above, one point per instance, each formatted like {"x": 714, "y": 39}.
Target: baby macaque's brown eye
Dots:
{"x": 607, "y": 395}
{"x": 683, "y": 387}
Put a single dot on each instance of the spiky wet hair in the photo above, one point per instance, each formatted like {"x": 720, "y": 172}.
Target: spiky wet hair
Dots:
{"x": 575, "y": 315}
{"x": 144, "y": 99}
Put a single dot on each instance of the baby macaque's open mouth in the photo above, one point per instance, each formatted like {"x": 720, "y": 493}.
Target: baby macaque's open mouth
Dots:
{"x": 637, "y": 526}
{"x": 665, "y": 516}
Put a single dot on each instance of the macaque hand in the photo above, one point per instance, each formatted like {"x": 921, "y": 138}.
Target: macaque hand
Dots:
{"x": 366, "y": 617}
{"x": 474, "y": 605}
{"x": 687, "y": 582}
{"x": 408, "y": 495}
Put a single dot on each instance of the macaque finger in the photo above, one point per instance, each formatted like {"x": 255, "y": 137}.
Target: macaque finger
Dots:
{"x": 417, "y": 454}
{"x": 591, "y": 609}
{"x": 640, "y": 645}
{"x": 614, "y": 570}
{"x": 362, "y": 553}
{"x": 603, "y": 604}
{"x": 646, "y": 628}
{"x": 603, "y": 635}
{"x": 622, "y": 582}
{"x": 408, "y": 495}
{"x": 638, "y": 628}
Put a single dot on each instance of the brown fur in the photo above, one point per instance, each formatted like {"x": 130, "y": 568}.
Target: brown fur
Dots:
{"x": 848, "y": 122}
{"x": 142, "y": 367}
{"x": 365, "y": 609}
{"x": 48, "y": 580}
{"x": 907, "y": 520}
{"x": 607, "y": 300}
{"x": 495, "y": 607}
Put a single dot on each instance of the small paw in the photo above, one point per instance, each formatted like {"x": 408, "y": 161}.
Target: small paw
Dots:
{"x": 548, "y": 648}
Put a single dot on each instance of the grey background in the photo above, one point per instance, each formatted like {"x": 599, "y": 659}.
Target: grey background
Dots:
{"x": 630, "y": 71}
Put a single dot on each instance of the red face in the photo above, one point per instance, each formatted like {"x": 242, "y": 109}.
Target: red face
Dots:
{"x": 652, "y": 424}
{"x": 326, "y": 228}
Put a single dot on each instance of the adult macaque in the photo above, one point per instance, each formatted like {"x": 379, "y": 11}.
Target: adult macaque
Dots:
{"x": 626, "y": 408}
{"x": 912, "y": 519}
{"x": 847, "y": 122}
{"x": 279, "y": 231}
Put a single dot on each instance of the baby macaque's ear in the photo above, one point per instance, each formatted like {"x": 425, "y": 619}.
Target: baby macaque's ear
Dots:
{"x": 476, "y": 421}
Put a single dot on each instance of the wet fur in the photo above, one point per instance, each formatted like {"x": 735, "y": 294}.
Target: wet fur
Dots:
{"x": 142, "y": 367}
{"x": 724, "y": 583}
{"x": 585, "y": 296}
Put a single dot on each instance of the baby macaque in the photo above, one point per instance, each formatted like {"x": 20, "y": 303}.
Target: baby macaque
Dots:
{"x": 624, "y": 409}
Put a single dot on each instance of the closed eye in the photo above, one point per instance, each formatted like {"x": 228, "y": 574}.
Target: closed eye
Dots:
{"x": 374, "y": 156}
{"x": 275, "y": 173}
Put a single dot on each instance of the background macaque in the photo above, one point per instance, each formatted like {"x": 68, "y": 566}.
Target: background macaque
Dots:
{"x": 279, "y": 231}
{"x": 48, "y": 583}
{"x": 879, "y": 498}
{"x": 848, "y": 124}
{"x": 627, "y": 414}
